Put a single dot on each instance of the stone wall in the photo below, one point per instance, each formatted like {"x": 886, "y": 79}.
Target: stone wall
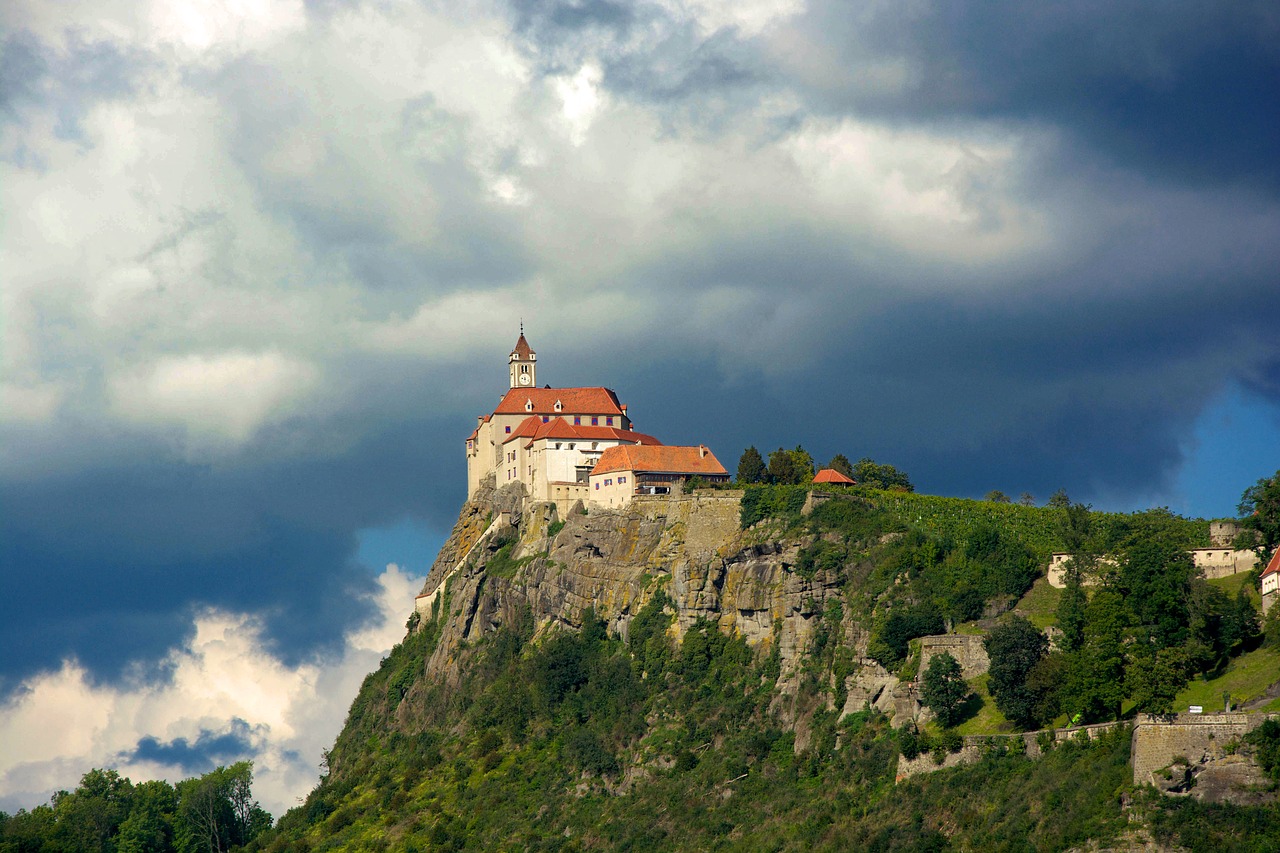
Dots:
{"x": 1223, "y": 562}
{"x": 1213, "y": 562}
{"x": 967, "y": 649}
{"x": 975, "y": 746}
{"x": 1157, "y": 741}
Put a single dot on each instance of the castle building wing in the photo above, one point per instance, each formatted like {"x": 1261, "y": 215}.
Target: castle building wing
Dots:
{"x": 689, "y": 461}
{"x": 556, "y": 401}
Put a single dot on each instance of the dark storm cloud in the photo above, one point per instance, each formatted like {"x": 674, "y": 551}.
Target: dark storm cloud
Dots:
{"x": 208, "y": 750}
{"x": 113, "y": 561}
{"x": 1184, "y": 90}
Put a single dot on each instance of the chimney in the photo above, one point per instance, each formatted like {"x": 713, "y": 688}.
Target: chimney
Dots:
{"x": 702, "y": 451}
{"x": 479, "y": 420}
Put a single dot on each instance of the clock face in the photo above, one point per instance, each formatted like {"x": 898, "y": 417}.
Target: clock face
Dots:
{"x": 524, "y": 379}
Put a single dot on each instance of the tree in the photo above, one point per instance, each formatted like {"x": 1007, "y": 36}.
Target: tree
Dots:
{"x": 1071, "y": 606}
{"x": 996, "y": 496}
{"x": 944, "y": 688}
{"x": 751, "y": 467}
{"x": 790, "y": 467}
{"x": 782, "y": 468}
{"x": 1095, "y": 683}
{"x": 149, "y": 827}
{"x": 216, "y": 811}
{"x": 803, "y": 463}
{"x": 841, "y": 463}
{"x": 1027, "y": 499}
{"x": 1260, "y": 510}
{"x": 1059, "y": 500}
{"x": 871, "y": 473}
{"x": 1154, "y": 676}
{"x": 1014, "y": 649}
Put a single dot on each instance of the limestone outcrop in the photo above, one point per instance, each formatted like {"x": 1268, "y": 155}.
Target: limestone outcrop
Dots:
{"x": 690, "y": 546}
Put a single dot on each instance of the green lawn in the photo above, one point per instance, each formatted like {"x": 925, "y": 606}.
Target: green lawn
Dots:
{"x": 987, "y": 719}
{"x": 1248, "y": 677}
{"x": 1233, "y": 583}
{"x": 1040, "y": 604}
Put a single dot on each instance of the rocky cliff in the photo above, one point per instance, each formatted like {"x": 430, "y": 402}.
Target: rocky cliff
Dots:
{"x": 507, "y": 554}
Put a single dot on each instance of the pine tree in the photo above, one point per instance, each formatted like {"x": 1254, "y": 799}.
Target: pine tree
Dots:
{"x": 751, "y": 467}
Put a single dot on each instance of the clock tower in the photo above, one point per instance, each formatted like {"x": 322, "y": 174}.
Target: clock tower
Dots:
{"x": 523, "y": 364}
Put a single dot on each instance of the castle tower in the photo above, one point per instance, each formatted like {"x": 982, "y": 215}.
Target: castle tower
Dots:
{"x": 523, "y": 364}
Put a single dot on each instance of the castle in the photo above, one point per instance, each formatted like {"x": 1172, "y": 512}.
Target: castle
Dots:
{"x": 574, "y": 444}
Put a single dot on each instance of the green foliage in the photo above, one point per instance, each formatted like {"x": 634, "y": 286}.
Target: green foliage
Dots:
{"x": 554, "y": 528}
{"x": 1015, "y": 648}
{"x": 841, "y": 463}
{"x": 107, "y": 812}
{"x": 890, "y": 639}
{"x": 944, "y": 689}
{"x": 1265, "y": 740}
{"x": 996, "y": 496}
{"x": 1260, "y": 511}
{"x": 790, "y": 467}
{"x": 781, "y": 502}
{"x": 873, "y": 475}
{"x": 751, "y": 467}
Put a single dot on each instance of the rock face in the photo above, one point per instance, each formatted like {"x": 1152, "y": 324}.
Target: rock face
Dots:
{"x": 1200, "y": 755}
{"x": 690, "y": 546}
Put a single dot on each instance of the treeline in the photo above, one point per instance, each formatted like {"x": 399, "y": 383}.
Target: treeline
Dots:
{"x": 108, "y": 813}
{"x": 796, "y": 467}
{"x": 1134, "y": 628}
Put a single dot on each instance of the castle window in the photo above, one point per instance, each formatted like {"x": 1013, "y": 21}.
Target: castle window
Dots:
{"x": 595, "y": 421}
{"x": 608, "y": 482}
{"x": 508, "y": 430}
{"x": 545, "y": 418}
{"x": 597, "y": 487}
{"x": 557, "y": 445}
{"x": 528, "y": 405}
{"x": 577, "y": 420}
{"x": 559, "y": 406}
{"x": 608, "y": 421}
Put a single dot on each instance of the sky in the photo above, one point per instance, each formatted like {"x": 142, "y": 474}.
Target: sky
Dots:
{"x": 261, "y": 264}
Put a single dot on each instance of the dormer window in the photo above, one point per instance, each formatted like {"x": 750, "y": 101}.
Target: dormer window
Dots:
{"x": 559, "y": 407}
{"x": 528, "y": 405}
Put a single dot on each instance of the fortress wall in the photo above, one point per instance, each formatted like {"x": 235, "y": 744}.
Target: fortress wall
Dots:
{"x": 1214, "y": 562}
{"x": 967, "y": 649}
{"x": 1223, "y": 562}
{"x": 711, "y": 517}
{"x": 975, "y": 746}
{"x": 1157, "y": 741}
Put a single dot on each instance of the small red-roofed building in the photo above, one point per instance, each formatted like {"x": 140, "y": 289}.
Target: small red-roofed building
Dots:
{"x": 629, "y": 470}
{"x": 833, "y": 477}
{"x": 1271, "y": 582}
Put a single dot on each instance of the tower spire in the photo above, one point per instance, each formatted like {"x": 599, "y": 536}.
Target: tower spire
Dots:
{"x": 523, "y": 362}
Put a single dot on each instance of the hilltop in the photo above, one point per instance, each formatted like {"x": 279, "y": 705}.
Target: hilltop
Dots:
{"x": 792, "y": 667}
{"x": 738, "y": 669}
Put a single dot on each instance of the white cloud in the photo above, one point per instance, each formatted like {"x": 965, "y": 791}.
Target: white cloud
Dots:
{"x": 216, "y": 399}
{"x": 59, "y": 724}
{"x": 580, "y": 100}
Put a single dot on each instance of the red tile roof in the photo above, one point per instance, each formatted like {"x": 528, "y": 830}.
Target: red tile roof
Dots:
{"x": 831, "y": 475}
{"x": 1274, "y": 565}
{"x": 476, "y": 432}
{"x": 534, "y": 429}
{"x": 573, "y": 401}
{"x": 667, "y": 460}
{"x": 522, "y": 348}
